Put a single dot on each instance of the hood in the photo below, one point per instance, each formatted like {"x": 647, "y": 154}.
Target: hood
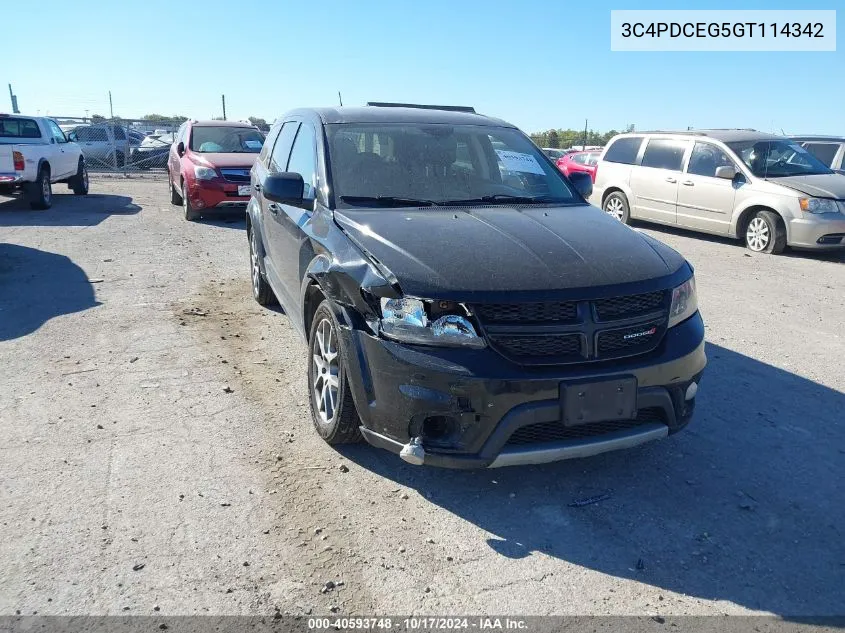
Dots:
{"x": 818, "y": 186}
{"x": 238, "y": 159}
{"x": 468, "y": 253}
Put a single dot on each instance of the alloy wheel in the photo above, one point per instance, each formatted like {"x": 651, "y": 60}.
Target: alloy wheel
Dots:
{"x": 326, "y": 360}
{"x": 757, "y": 236}
{"x": 45, "y": 188}
{"x": 614, "y": 207}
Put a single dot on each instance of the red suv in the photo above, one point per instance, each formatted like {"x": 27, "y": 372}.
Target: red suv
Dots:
{"x": 208, "y": 165}
{"x": 579, "y": 161}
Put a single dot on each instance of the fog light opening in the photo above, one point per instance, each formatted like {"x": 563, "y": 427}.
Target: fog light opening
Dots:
{"x": 437, "y": 427}
{"x": 691, "y": 391}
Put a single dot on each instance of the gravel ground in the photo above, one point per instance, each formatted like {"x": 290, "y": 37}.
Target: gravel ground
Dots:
{"x": 157, "y": 449}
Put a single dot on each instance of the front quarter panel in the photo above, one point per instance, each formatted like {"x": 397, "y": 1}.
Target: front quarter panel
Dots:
{"x": 341, "y": 270}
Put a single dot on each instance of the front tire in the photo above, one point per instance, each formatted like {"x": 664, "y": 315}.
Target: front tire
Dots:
{"x": 332, "y": 408}
{"x": 41, "y": 191}
{"x": 79, "y": 183}
{"x": 261, "y": 290}
{"x": 190, "y": 214}
{"x": 616, "y": 205}
{"x": 766, "y": 233}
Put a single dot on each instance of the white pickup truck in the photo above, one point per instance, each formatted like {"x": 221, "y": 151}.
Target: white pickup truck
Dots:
{"x": 34, "y": 154}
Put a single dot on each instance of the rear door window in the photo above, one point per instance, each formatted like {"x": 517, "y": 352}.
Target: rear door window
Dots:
{"x": 664, "y": 154}
{"x": 14, "y": 127}
{"x": 825, "y": 152}
{"x": 624, "y": 150}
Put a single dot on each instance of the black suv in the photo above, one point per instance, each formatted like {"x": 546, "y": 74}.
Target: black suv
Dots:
{"x": 463, "y": 305}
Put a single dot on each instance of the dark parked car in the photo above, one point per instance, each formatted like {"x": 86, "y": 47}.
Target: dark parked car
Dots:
{"x": 457, "y": 316}
{"x": 153, "y": 151}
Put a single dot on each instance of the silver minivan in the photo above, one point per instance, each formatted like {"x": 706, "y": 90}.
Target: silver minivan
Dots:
{"x": 765, "y": 189}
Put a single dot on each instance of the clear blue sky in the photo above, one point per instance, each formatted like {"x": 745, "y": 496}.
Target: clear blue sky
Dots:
{"x": 536, "y": 63}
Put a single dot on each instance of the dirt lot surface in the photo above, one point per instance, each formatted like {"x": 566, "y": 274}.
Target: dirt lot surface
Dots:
{"x": 158, "y": 453}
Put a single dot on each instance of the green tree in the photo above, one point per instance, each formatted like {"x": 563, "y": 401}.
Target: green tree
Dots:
{"x": 160, "y": 118}
{"x": 97, "y": 118}
{"x": 553, "y": 139}
{"x": 260, "y": 123}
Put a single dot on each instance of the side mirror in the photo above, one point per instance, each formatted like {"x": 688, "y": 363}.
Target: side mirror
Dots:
{"x": 583, "y": 183}
{"x": 180, "y": 149}
{"x": 285, "y": 188}
{"x": 726, "y": 171}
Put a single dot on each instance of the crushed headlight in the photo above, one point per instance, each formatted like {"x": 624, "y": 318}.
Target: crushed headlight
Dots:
{"x": 204, "y": 173}
{"x": 818, "y": 205}
{"x": 684, "y": 302}
{"x": 406, "y": 319}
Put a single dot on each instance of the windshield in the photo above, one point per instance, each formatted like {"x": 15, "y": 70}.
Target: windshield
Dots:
{"x": 401, "y": 164}
{"x": 226, "y": 139}
{"x": 778, "y": 158}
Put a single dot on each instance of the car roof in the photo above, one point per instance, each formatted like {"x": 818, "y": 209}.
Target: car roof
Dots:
{"x": 724, "y": 135}
{"x": 221, "y": 124}
{"x": 391, "y": 114}
{"x": 817, "y": 137}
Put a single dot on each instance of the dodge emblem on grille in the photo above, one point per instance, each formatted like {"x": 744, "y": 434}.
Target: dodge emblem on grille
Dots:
{"x": 638, "y": 334}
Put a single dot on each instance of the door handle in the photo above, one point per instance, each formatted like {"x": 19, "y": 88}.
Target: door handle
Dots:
{"x": 273, "y": 207}
{"x": 688, "y": 183}
{"x": 257, "y": 186}
{"x": 670, "y": 179}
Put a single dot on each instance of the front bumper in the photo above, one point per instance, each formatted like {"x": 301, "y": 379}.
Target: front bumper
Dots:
{"x": 207, "y": 194}
{"x": 818, "y": 232}
{"x": 484, "y": 398}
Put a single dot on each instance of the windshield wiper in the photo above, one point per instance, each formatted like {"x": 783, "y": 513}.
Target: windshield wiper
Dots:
{"x": 389, "y": 201}
{"x": 502, "y": 197}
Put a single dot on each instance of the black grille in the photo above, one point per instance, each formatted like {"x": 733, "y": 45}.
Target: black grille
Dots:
{"x": 528, "y": 313}
{"x": 560, "y": 332}
{"x": 555, "y": 431}
{"x": 633, "y": 339}
{"x": 558, "y": 347}
{"x": 630, "y": 306}
{"x": 236, "y": 175}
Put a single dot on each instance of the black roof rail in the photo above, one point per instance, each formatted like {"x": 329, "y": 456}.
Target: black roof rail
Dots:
{"x": 449, "y": 108}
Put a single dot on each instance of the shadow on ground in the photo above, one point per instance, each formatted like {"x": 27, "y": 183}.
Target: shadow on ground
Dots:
{"x": 36, "y": 286}
{"x": 226, "y": 219}
{"x": 745, "y": 505}
{"x": 67, "y": 210}
{"x": 836, "y": 257}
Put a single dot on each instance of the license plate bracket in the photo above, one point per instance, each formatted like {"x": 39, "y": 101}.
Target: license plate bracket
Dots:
{"x": 243, "y": 190}
{"x": 584, "y": 402}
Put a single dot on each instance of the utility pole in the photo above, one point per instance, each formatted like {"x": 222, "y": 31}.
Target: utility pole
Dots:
{"x": 111, "y": 109}
{"x": 14, "y": 101}
{"x": 339, "y": 98}
{"x": 224, "y": 106}
{"x": 585, "y": 135}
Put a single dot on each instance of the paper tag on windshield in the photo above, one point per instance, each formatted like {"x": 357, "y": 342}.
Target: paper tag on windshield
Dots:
{"x": 516, "y": 161}
{"x": 251, "y": 144}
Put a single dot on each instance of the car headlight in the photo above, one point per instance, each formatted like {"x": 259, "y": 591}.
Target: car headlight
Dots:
{"x": 204, "y": 173}
{"x": 818, "y": 205}
{"x": 407, "y": 320}
{"x": 684, "y": 302}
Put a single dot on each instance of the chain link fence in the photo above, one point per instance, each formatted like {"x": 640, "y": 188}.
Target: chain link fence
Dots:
{"x": 121, "y": 145}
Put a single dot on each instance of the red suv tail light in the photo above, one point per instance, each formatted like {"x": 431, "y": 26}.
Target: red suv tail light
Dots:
{"x": 17, "y": 157}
